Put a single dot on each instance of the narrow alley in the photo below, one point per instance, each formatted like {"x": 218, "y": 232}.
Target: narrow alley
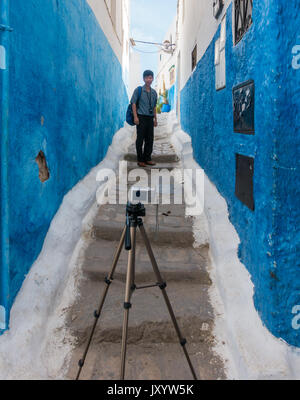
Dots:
{"x": 103, "y": 99}
{"x": 154, "y": 351}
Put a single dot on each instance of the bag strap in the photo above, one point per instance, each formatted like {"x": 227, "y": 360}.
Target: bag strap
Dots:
{"x": 140, "y": 93}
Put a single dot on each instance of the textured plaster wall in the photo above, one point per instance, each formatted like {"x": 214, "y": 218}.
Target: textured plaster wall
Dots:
{"x": 270, "y": 236}
{"x": 67, "y": 98}
{"x": 171, "y": 97}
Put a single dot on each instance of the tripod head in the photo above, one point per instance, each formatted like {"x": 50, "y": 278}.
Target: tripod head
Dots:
{"x": 133, "y": 214}
{"x": 135, "y": 210}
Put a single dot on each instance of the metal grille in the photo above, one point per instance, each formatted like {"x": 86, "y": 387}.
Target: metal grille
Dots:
{"x": 243, "y": 17}
{"x": 217, "y": 8}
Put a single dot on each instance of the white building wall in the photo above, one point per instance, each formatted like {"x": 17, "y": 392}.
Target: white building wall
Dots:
{"x": 135, "y": 71}
{"x": 166, "y": 60}
{"x": 125, "y": 21}
{"x": 113, "y": 17}
{"x": 196, "y": 25}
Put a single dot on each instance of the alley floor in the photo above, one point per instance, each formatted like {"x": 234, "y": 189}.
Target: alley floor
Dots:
{"x": 153, "y": 350}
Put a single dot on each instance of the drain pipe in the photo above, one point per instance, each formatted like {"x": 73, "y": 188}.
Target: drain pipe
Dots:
{"x": 4, "y": 114}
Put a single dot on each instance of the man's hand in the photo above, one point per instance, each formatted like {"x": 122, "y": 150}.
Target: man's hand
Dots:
{"x": 136, "y": 121}
{"x": 155, "y": 117}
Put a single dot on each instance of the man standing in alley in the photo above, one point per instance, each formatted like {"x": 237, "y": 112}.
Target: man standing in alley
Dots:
{"x": 145, "y": 119}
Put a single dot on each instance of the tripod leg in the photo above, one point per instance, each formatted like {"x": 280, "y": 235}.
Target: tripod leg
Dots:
{"x": 128, "y": 292}
{"x": 163, "y": 285}
{"x": 97, "y": 313}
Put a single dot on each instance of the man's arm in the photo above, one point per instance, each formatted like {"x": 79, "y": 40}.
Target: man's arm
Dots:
{"x": 155, "y": 112}
{"x": 133, "y": 105}
{"x": 155, "y": 117}
{"x": 135, "y": 116}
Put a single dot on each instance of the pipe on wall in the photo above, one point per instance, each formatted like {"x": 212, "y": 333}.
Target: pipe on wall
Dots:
{"x": 4, "y": 126}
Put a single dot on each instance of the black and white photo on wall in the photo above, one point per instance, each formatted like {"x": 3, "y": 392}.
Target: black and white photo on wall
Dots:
{"x": 243, "y": 107}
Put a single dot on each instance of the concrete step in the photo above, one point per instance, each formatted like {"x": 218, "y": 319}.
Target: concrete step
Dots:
{"x": 175, "y": 264}
{"x": 166, "y": 219}
{"x": 158, "y": 158}
{"x": 173, "y": 228}
{"x": 157, "y": 361}
{"x": 175, "y": 236}
{"x": 108, "y": 211}
{"x": 149, "y": 319}
{"x": 160, "y": 165}
{"x": 148, "y": 361}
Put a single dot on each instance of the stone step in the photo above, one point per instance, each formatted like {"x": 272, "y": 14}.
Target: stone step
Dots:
{"x": 165, "y": 219}
{"x": 108, "y": 211}
{"x": 159, "y": 166}
{"x": 175, "y": 236}
{"x": 158, "y": 158}
{"x": 150, "y": 361}
{"x": 175, "y": 264}
{"x": 149, "y": 319}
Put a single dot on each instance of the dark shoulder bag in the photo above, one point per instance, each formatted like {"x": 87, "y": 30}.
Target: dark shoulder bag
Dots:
{"x": 129, "y": 113}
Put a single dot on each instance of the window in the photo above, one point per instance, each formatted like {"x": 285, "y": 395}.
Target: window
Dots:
{"x": 194, "y": 58}
{"x": 242, "y": 17}
{"x": 220, "y": 59}
{"x": 172, "y": 75}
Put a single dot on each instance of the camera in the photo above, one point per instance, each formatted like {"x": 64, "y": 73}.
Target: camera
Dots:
{"x": 142, "y": 195}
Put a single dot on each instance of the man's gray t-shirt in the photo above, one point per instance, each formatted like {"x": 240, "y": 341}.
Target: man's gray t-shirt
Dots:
{"x": 147, "y": 101}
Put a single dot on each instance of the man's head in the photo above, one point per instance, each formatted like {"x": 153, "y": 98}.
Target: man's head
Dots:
{"x": 148, "y": 77}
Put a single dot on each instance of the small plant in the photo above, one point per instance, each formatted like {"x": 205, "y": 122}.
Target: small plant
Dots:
{"x": 165, "y": 96}
{"x": 159, "y": 106}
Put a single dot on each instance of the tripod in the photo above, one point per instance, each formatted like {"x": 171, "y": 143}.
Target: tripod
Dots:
{"x": 134, "y": 212}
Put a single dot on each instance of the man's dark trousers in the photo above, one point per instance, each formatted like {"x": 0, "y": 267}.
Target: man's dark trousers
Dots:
{"x": 145, "y": 134}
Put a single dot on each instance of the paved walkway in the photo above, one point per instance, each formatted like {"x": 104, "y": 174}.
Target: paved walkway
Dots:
{"x": 153, "y": 351}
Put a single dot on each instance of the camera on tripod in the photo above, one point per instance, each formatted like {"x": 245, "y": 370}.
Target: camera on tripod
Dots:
{"x": 142, "y": 194}
{"x": 134, "y": 210}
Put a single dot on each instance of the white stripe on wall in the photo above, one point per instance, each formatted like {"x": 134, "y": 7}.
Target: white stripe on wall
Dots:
{"x": 2, "y": 318}
{"x": 2, "y": 57}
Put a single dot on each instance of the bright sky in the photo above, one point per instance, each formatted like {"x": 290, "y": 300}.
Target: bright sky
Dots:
{"x": 150, "y": 21}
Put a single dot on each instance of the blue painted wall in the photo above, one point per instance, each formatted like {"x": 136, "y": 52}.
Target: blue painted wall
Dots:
{"x": 171, "y": 97}
{"x": 270, "y": 236}
{"x": 67, "y": 98}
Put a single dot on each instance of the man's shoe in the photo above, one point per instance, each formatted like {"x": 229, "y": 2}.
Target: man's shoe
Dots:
{"x": 141, "y": 164}
{"x": 150, "y": 163}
